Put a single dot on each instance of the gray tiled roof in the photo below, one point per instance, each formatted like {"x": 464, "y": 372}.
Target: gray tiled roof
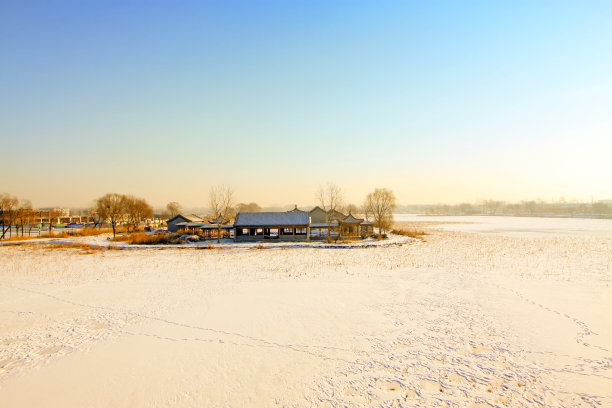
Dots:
{"x": 190, "y": 224}
{"x": 334, "y": 224}
{"x": 192, "y": 217}
{"x": 352, "y": 220}
{"x": 273, "y": 219}
{"x": 203, "y": 225}
{"x": 189, "y": 217}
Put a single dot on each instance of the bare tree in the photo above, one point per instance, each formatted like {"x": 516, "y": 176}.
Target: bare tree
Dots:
{"x": 380, "y": 204}
{"x": 221, "y": 201}
{"x": 24, "y": 215}
{"x": 8, "y": 210}
{"x": 352, "y": 209}
{"x": 465, "y": 208}
{"x": 136, "y": 209}
{"x": 330, "y": 199}
{"x": 173, "y": 208}
{"x": 111, "y": 207}
{"x": 52, "y": 213}
{"x": 530, "y": 206}
{"x": 600, "y": 208}
{"x": 491, "y": 206}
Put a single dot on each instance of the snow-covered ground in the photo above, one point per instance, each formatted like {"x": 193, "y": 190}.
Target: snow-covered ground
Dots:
{"x": 517, "y": 225}
{"x": 500, "y": 315}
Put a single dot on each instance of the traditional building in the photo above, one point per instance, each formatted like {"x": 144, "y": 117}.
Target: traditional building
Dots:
{"x": 259, "y": 226}
{"x": 293, "y": 225}
{"x": 324, "y": 223}
{"x": 351, "y": 227}
{"x": 173, "y": 222}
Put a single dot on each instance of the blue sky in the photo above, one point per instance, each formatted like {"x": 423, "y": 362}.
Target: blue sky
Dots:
{"x": 439, "y": 101}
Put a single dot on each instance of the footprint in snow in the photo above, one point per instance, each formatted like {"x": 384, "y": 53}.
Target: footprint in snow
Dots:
{"x": 392, "y": 386}
{"x": 50, "y": 350}
{"x": 8, "y": 363}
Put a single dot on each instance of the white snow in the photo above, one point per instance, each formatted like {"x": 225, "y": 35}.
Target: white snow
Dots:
{"x": 506, "y": 314}
{"x": 517, "y": 225}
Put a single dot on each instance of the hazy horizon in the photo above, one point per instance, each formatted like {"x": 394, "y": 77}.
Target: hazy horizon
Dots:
{"x": 441, "y": 103}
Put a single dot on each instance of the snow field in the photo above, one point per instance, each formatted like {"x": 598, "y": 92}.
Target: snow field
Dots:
{"x": 462, "y": 319}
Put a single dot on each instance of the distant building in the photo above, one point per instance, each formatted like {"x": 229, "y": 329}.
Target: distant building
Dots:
{"x": 298, "y": 225}
{"x": 321, "y": 225}
{"x": 332, "y": 223}
{"x": 294, "y": 225}
{"x": 351, "y": 227}
{"x": 208, "y": 230}
{"x": 285, "y": 226}
{"x": 58, "y": 211}
{"x": 182, "y": 218}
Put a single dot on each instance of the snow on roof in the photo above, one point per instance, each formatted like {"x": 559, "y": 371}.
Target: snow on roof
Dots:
{"x": 275, "y": 219}
{"x": 188, "y": 217}
{"x": 193, "y": 217}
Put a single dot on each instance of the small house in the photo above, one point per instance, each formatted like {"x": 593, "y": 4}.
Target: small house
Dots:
{"x": 181, "y": 218}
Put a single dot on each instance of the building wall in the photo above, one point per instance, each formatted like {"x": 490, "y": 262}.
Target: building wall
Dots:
{"x": 318, "y": 216}
{"x": 260, "y": 238}
{"x": 172, "y": 225}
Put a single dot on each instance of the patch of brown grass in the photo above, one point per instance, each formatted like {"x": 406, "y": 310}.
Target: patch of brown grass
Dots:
{"x": 140, "y": 238}
{"x": 86, "y": 249}
{"x": 17, "y": 238}
{"x": 410, "y": 232}
{"x": 81, "y": 232}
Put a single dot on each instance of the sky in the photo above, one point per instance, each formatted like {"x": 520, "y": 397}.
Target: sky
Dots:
{"x": 439, "y": 101}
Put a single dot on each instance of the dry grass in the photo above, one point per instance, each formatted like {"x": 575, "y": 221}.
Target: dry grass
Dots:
{"x": 18, "y": 238}
{"x": 83, "y": 232}
{"x": 86, "y": 249}
{"x": 412, "y": 233}
{"x": 140, "y": 238}
{"x": 80, "y": 248}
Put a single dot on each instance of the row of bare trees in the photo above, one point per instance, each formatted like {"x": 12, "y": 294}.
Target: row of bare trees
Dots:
{"x": 19, "y": 213}
{"x": 120, "y": 209}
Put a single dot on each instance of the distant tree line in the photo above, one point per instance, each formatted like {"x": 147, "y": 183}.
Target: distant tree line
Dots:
{"x": 559, "y": 208}
{"x": 14, "y": 212}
